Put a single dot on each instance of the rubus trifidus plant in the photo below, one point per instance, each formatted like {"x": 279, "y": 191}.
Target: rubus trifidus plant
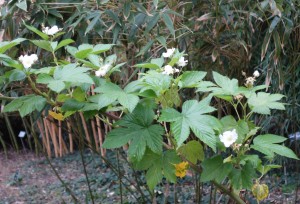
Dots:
{"x": 166, "y": 134}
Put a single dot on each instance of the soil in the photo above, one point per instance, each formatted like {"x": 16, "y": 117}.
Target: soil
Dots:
{"x": 27, "y": 178}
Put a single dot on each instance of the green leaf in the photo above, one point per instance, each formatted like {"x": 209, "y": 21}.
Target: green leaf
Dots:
{"x": 158, "y": 61}
{"x": 7, "y": 45}
{"x": 229, "y": 123}
{"x": 266, "y": 144}
{"x": 102, "y": 48}
{"x": 191, "y": 79}
{"x": 92, "y": 23}
{"x": 262, "y": 102}
{"x": 126, "y": 10}
{"x": 71, "y": 73}
{"x": 243, "y": 178}
{"x": 192, "y": 117}
{"x": 169, "y": 23}
{"x": 264, "y": 169}
{"x": 152, "y": 22}
{"x": 26, "y": 104}
{"x": 79, "y": 94}
{"x": 145, "y": 48}
{"x": 162, "y": 40}
{"x": 113, "y": 16}
{"x": 155, "y": 81}
{"x": 170, "y": 98}
{"x": 72, "y": 105}
{"x": 38, "y": 32}
{"x": 112, "y": 92}
{"x": 63, "y": 43}
{"x": 22, "y": 5}
{"x": 16, "y": 75}
{"x": 81, "y": 54}
{"x": 147, "y": 65}
{"x": 136, "y": 128}
{"x": 43, "y": 44}
{"x": 72, "y": 50}
{"x": 226, "y": 86}
{"x": 53, "y": 45}
{"x": 215, "y": 169}
{"x": 157, "y": 166}
{"x": 192, "y": 151}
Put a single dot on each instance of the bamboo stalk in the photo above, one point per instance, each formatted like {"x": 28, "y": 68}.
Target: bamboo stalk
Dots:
{"x": 60, "y": 140}
{"x": 70, "y": 137}
{"x": 46, "y": 144}
{"x": 11, "y": 132}
{"x": 100, "y": 137}
{"x": 47, "y": 137}
{"x": 95, "y": 134}
{"x": 51, "y": 128}
{"x": 87, "y": 135}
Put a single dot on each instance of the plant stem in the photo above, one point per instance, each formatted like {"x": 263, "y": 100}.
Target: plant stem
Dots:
{"x": 37, "y": 91}
{"x": 231, "y": 194}
{"x": 85, "y": 173}
{"x": 6, "y": 98}
{"x": 57, "y": 175}
{"x": 120, "y": 177}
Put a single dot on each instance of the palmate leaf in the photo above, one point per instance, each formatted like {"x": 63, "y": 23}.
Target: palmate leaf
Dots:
{"x": 192, "y": 151}
{"x": 215, "y": 169}
{"x": 225, "y": 88}
{"x": 191, "y": 79}
{"x": 263, "y": 102}
{"x": 243, "y": 178}
{"x": 192, "y": 117}
{"x": 68, "y": 73}
{"x": 26, "y": 104}
{"x": 137, "y": 128}
{"x": 112, "y": 92}
{"x": 267, "y": 144}
{"x": 155, "y": 81}
{"x": 157, "y": 166}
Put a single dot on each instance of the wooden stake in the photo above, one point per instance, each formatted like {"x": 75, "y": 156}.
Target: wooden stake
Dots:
{"x": 95, "y": 134}
{"x": 70, "y": 137}
{"x": 100, "y": 136}
{"x": 51, "y": 127}
{"x": 60, "y": 139}
{"x": 46, "y": 143}
{"x": 47, "y": 137}
{"x": 87, "y": 135}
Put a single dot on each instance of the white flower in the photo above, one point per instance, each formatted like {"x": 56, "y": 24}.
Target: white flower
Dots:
{"x": 256, "y": 74}
{"x": 176, "y": 70}
{"x": 28, "y": 61}
{"x": 103, "y": 70}
{"x": 181, "y": 62}
{"x": 169, "y": 52}
{"x": 51, "y": 31}
{"x": 228, "y": 137}
{"x": 168, "y": 70}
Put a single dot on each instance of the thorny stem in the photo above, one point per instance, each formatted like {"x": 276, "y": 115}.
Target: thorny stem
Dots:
{"x": 86, "y": 175}
{"x": 56, "y": 174}
{"x": 7, "y": 98}
{"x": 225, "y": 190}
{"x": 37, "y": 91}
{"x": 139, "y": 182}
{"x": 120, "y": 176}
{"x": 235, "y": 108}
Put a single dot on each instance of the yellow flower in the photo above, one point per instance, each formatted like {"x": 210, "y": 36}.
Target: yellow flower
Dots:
{"x": 181, "y": 169}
